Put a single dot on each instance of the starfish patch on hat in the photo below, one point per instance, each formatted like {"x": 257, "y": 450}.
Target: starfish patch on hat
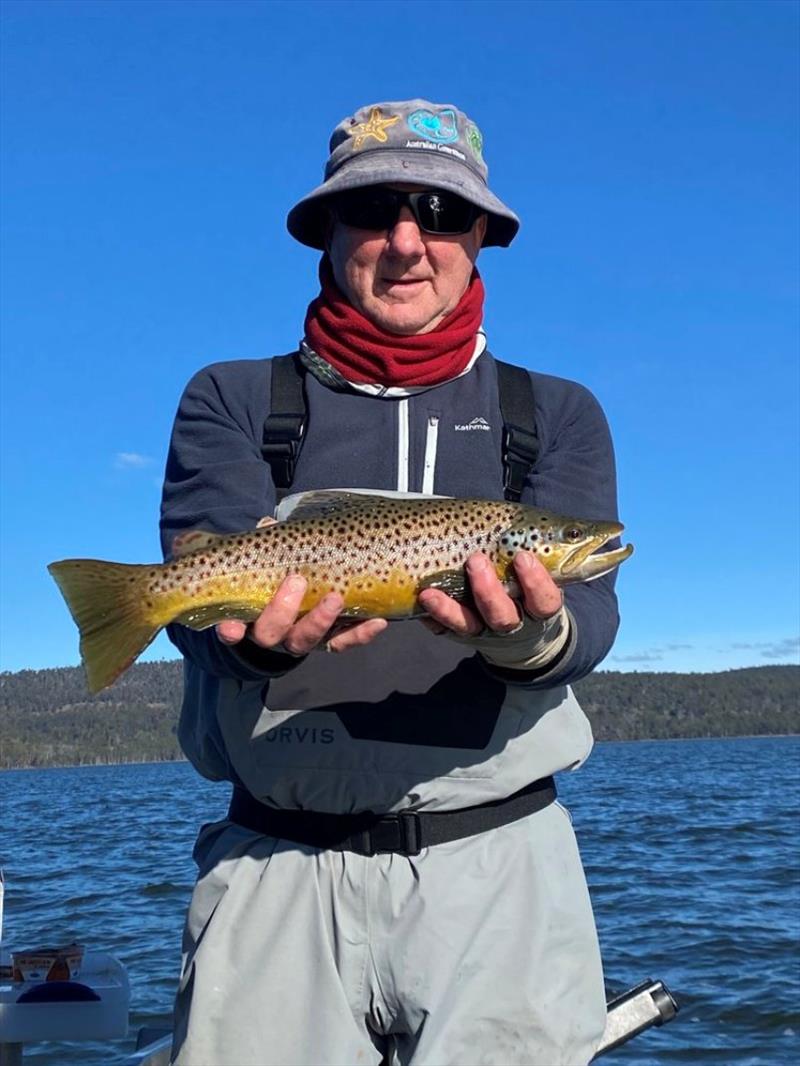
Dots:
{"x": 376, "y": 127}
{"x": 441, "y": 127}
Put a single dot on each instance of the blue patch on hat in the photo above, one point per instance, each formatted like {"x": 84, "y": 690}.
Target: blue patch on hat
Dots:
{"x": 441, "y": 128}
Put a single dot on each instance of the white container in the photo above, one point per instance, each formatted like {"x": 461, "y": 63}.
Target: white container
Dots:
{"x": 100, "y": 1019}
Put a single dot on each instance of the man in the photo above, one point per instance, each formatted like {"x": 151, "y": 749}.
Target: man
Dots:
{"x": 459, "y": 931}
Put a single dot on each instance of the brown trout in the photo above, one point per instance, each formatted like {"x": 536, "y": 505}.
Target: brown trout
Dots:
{"x": 377, "y": 552}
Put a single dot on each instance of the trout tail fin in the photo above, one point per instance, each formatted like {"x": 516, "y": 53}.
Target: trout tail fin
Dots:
{"x": 108, "y": 602}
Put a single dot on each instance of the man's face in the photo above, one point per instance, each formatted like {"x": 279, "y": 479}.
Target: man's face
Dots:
{"x": 404, "y": 280}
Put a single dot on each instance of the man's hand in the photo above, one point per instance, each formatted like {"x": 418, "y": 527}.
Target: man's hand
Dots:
{"x": 278, "y": 628}
{"x": 494, "y": 608}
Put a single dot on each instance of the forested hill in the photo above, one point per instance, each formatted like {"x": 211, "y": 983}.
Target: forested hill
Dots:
{"x": 47, "y": 718}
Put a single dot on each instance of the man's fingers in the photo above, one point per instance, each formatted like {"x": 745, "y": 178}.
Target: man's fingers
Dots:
{"x": 358, "y": 633}
{"x": 541, "y": 596}
{"x": 494, "y": 609}
{"x": 231, "y": 632}
{"x": 278, "y": 625}
{"x": 312, "y": 629}
{"x": 280, "y": 614}
{"x": 494, "y": 605}
{"x": 450, "y": 614}
{"x": 274, "y": 622}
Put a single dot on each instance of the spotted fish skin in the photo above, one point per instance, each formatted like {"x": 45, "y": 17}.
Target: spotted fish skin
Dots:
{"x": 377, "y": 552}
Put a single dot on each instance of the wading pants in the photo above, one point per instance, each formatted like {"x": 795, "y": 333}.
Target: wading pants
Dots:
{"x": 479, "y": 951}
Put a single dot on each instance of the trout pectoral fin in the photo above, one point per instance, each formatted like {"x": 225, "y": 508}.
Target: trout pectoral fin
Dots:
{"x": 453, "y": 582}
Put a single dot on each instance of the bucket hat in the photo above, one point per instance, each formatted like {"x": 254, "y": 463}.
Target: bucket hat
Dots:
{"x": 413, "y": 141}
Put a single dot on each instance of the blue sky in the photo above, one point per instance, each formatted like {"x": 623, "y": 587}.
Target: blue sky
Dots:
{"x": 150, "y": 152}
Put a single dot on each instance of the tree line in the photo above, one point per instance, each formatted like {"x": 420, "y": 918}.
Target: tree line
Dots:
{"x": 48, "y": 719}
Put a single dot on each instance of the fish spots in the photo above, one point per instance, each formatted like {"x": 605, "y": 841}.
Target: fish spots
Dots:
{"x": 512, "y": 540}
{"x": 374, "y": 552}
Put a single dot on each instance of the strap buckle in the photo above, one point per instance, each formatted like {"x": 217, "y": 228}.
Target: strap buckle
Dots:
{"x": 283, "y": 435}
{"x": 520, "y": 448}
{"x": 400, "y": 833}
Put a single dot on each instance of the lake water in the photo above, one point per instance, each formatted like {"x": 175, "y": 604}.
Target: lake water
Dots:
{"x": 691, "y": 849}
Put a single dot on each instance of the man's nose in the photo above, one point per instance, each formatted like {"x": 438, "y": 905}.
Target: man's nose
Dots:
{"x": 404, "y": 237}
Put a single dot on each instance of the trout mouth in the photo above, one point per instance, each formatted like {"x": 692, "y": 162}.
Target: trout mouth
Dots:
{"x": 587, "y": 561}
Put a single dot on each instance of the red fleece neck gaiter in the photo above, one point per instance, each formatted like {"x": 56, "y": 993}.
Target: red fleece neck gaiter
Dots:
{"x": 366, "y": 354}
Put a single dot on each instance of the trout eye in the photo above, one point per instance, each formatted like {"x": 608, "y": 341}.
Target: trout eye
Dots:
{"x": 573, "y": 533}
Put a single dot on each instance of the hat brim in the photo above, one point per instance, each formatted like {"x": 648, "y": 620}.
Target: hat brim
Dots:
{"x": 307, "y": 221}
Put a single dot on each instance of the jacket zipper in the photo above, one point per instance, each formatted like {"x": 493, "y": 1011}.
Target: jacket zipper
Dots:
{"x": 431, "y": 443}
{"x": 402, "y": 446}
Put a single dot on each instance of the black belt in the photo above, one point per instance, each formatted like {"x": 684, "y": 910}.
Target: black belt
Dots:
{"x": 405, "y": 832}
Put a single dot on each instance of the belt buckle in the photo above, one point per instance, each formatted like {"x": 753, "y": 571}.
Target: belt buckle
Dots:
{"x": 397, "y": 833}
{"x": 383, "y": 836}
{"x": 410, "y": 832}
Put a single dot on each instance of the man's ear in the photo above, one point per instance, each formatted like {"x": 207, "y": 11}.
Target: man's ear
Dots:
{"x": 327, "y": 236}
{"x": 481, "y": 225}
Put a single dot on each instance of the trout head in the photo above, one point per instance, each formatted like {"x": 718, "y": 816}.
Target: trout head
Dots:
{"x": 567, "y": 547}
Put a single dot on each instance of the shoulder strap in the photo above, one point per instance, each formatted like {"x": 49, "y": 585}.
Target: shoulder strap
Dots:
{"x": 520, "y": 441}
{"x": 285, "y": 425}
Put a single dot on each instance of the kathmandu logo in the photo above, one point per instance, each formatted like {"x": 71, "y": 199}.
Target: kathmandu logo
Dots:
{"x": 476, "y": 423}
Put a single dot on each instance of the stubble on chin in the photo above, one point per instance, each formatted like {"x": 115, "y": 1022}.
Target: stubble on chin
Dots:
{"x": 403, "y": 319}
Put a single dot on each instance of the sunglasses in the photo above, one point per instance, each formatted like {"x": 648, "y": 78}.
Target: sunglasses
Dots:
{"x": 378, "y": 208}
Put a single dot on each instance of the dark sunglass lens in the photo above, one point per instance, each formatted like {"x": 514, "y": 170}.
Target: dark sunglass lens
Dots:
{"x": 372, "y": 209}
{"x": 377, "y": 208}
{"x": 441, "y": 212}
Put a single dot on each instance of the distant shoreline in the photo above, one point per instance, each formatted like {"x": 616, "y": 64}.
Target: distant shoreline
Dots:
{"x": 99, "y": 765}
{"x": 184, "y": 760}
{"x": 48, "y": 720}
{"x": 643, "y": 669}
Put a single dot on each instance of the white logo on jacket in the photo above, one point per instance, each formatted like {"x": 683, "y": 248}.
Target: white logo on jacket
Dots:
{"x": 476, "y": 423}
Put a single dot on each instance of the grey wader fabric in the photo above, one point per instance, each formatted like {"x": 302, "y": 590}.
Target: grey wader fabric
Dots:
{"x": 300, "y": 957}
